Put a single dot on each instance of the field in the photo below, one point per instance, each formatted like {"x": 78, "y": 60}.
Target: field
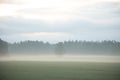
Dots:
{"x": 41, "y": 70}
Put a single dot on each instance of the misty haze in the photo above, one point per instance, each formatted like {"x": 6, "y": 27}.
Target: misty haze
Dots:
{"x": 59, "y": 40}
{"x": 104, "y": 51}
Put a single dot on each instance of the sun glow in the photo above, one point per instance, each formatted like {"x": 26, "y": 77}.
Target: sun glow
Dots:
{"x": 44, "y": 34}
{"x": 8, "y": 10}
{"x": 49, "y": 10}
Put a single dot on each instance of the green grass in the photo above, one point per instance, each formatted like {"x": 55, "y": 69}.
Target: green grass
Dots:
{"x": 35, "y": 70}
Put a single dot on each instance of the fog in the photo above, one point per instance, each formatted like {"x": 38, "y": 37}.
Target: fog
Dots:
{"x": 68, "y": 58}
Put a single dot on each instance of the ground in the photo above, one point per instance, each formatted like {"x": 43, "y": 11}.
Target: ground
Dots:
{"x": 38, "y": 70}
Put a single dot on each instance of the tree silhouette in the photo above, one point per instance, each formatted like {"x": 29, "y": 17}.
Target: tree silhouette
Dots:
{"x": 3, "y": 47}
{"x": 59, "y": 49}
{"x": 67, "y": 47}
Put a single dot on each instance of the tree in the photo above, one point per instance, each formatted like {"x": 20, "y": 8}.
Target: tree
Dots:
{"x": 59, "y": 49}
{"x": 3, "y": 47}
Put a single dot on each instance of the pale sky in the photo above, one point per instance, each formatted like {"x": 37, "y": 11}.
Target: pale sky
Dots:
{"x": 59, "y": 20}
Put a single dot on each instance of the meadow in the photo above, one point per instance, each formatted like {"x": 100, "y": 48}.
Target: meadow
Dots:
{"x": 45, "y": 70}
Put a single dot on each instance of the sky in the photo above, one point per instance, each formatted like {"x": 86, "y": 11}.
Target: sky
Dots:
{"x": 59, "y": 20}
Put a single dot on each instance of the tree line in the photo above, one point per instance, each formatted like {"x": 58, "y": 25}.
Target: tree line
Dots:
{"x": 3, "y": 47}
{"x": 67, "y": 47}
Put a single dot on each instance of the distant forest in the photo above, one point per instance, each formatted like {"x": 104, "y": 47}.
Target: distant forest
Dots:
{"x": 66, "y": 47}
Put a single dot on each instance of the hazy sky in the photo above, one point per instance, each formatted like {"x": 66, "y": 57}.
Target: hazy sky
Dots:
{"x": 59, "y": 20}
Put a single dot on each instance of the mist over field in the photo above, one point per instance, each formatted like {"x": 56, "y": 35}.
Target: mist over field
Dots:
{"x": 81, "y": 51}
{"x": 59, "y": 27}
{"x": 59, "y": 40}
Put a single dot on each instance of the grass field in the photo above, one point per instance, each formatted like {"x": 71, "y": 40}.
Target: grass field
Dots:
{"x": 36, "y": 70}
